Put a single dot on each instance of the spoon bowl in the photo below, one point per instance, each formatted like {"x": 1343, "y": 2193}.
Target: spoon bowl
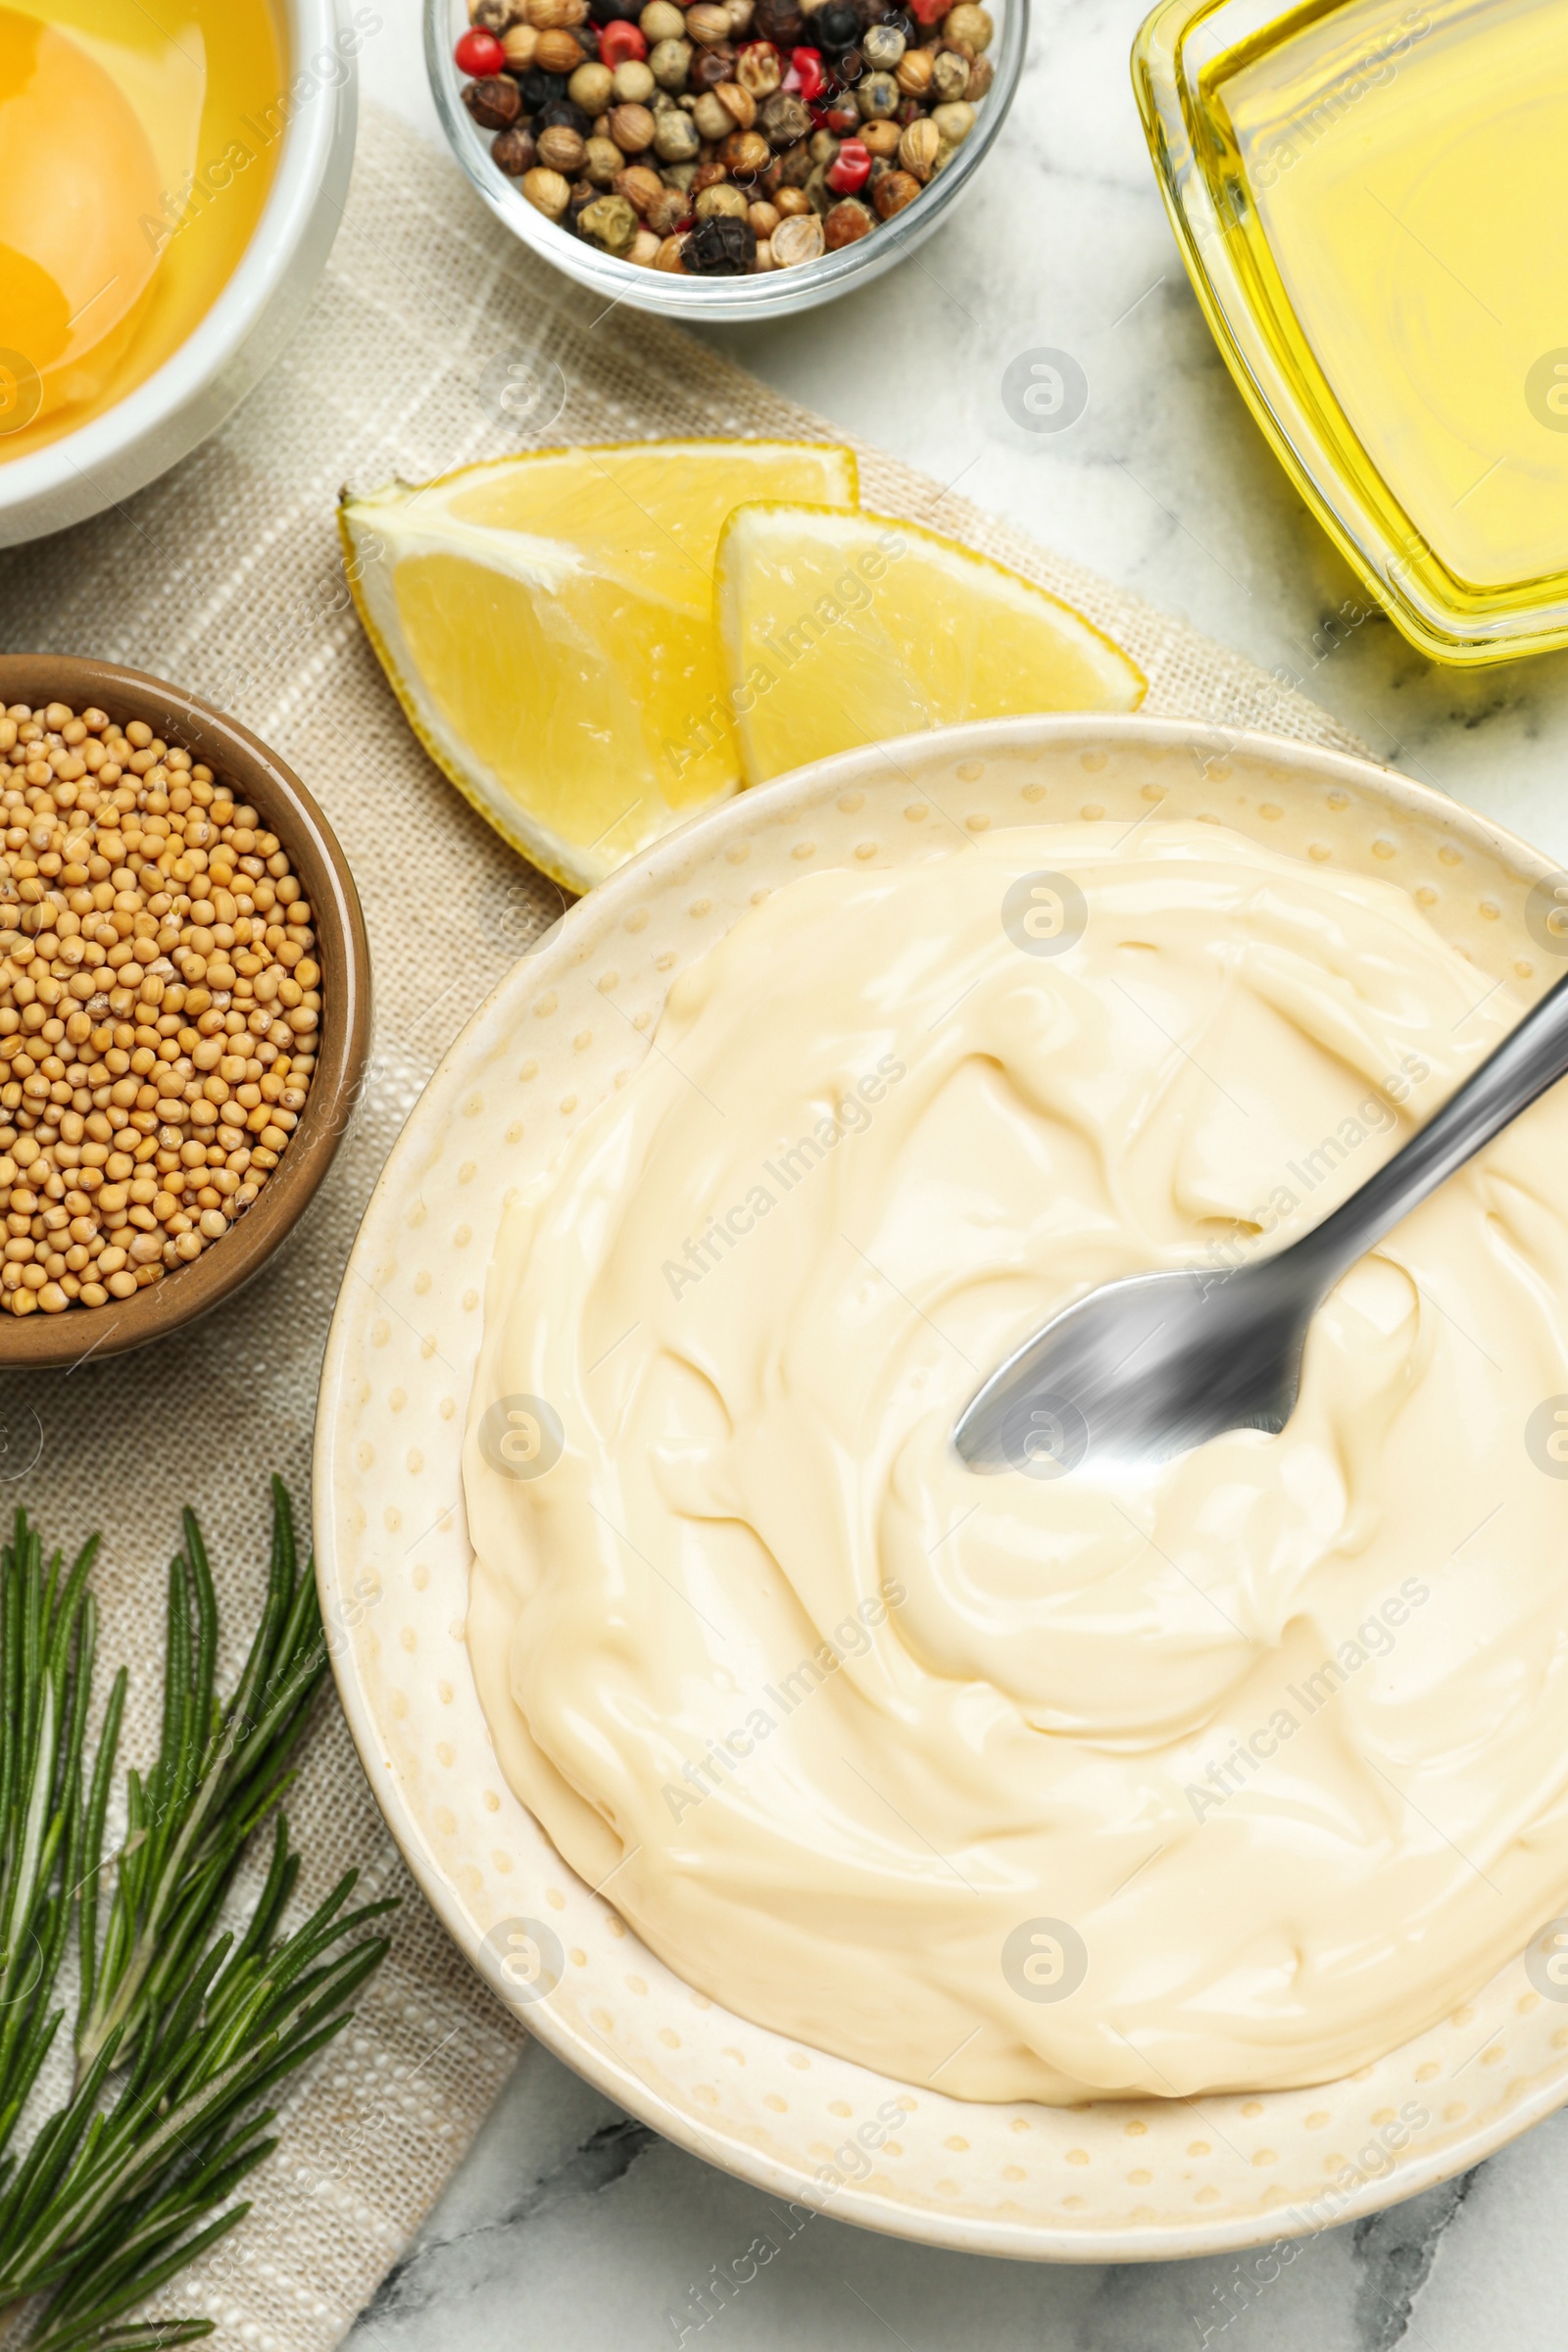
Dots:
{"x": 1144, "y": 1369}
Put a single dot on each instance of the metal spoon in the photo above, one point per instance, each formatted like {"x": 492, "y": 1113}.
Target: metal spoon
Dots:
{"x": 1152, "y": 1367}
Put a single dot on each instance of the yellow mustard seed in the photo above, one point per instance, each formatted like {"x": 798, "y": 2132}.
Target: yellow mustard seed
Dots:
{"x": 160, "y": 1008}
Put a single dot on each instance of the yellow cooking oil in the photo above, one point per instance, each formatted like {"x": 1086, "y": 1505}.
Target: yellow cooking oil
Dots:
{"x": 1393, "y": 179}
{"x": 137, "y": 145}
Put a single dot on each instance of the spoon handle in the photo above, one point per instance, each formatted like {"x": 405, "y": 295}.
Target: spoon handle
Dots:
{"x": 1532, "y": 1056}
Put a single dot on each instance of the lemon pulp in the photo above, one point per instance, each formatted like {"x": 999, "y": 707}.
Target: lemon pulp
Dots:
{"x": 547, "y": 621}
{"x": 847, "y": 629}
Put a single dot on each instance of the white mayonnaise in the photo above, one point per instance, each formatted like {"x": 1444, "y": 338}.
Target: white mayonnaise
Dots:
{"x": 1043, "y": 1786}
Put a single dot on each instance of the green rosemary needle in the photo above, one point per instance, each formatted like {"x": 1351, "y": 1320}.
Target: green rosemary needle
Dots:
{"x": 181, "y": 2029}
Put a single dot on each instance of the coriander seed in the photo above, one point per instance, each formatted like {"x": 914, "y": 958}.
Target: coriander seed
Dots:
{"x": 545, "y": 191}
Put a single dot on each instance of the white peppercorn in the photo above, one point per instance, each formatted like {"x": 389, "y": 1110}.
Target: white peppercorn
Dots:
{"x": 969, "y": 23}
{"x": 882, "y": 46}
{"x": 676, "y": 138}
{"x": 722, "y": 200}
{"x": 590, "y": 87}
{"x": 602, "y": 159}
{"x": 877, "y": 94}
{"x": 633, "y": 81}
{"x": 669, "y": 63}
{"x": 953, "y": 123}
{"x": 950, "y": 77}
{"x": 712, "y": 116}
{"x": 662, "y": 21}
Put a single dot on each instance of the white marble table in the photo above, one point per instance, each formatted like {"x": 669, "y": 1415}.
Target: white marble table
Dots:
{"x": 571, "y": 2228}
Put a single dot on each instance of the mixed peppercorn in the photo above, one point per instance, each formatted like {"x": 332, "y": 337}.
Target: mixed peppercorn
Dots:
{"x": 730, "y": 137}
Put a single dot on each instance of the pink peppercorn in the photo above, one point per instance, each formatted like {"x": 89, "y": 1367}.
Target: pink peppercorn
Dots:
{"x": 807, "y": 75}
{"x": 851, "y": 169}
{"x": 619, "y": 43}
{"x": 479, "y": 53}
{"x": 929, "y": 12}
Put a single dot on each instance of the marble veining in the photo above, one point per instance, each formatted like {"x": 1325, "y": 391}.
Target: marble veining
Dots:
{"x": 572, "y": 2226}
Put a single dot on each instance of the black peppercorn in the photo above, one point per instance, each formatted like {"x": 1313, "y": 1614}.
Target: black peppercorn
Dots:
{"x": 514, "y": 152}
{"x": 540, "y": 89}
{"x": 560, "y": 112}
{"x": 791, "y": 170}
{"x": 785, "y": 120}
{"x": 710, "y": 66}
{"x": 493, "y": 102}
{"x": 614, "y": 12}
{"x": 779, "y": 22}
{"x": 721, "y": 247}
{"x": 837, "y": 24}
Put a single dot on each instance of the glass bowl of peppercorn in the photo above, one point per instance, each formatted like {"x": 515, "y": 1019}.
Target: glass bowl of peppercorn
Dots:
{"x": 727, "y": 159}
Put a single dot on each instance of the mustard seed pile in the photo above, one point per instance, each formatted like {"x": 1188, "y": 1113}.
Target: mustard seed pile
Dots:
{"x": 160, "y": 1004}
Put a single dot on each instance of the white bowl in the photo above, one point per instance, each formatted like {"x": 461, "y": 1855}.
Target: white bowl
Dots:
{"x": 1113, "y": 2181}
{"x": 190, "y": 396}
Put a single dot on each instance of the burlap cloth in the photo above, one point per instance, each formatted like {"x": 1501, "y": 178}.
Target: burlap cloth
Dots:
{"x": 224, "y": 578}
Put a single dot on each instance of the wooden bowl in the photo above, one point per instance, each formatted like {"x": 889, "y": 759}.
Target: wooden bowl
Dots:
{"x": 263, "y": 782}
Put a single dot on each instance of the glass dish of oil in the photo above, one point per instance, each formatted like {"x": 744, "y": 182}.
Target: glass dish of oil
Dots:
{"x": 1371, "y": 199}
{"x": 136, "y": 150}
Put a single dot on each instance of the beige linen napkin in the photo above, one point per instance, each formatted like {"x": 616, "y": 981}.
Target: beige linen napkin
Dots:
{"x": 434, "y": 339}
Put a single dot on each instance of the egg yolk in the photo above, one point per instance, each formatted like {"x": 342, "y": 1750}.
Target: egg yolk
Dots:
{"x": 78, "y": 193}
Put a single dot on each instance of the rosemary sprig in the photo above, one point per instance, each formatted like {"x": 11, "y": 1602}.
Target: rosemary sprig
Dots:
{"x": 182, "y": 2032}
{"x": 220, "y": 1771}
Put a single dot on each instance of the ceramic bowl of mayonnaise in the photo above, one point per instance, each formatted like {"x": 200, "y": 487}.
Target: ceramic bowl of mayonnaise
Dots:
{"x": 924, "y": 1847}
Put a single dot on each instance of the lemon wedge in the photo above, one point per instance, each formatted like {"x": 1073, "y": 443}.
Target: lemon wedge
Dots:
{"x": 845, "y": 629}
{"x": 547, "y": 623}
